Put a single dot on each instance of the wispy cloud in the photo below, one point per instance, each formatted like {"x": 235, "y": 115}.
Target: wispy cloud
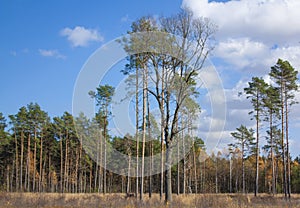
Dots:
{"x": 80, "y": 36}
{"x": 125, "y": 18}
{"x": 51, "y": 53}
{"x": 13, "y": 53}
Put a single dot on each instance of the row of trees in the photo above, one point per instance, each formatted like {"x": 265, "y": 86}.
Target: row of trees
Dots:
{"x": 48, "y": 157}
{"x": 271, "y": 104}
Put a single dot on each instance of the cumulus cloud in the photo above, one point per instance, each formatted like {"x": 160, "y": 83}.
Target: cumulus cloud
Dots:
{"x": 270, "y": 20}
{"x": 80, "y": 36}
{"x": 246, "y": 54}
{"x": 51, "y": 53}
{"x": 251, "y": 36}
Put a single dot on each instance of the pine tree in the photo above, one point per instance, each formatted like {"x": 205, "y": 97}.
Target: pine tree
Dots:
{"x": 285, "y": 76}
{"x": 256, "y": 93}
{"x": 245, "y": 142}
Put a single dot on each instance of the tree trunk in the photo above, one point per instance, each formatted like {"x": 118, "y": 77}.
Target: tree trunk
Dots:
{"x": 144, "y": 130}
{"x": 230, "y": 173}
{"x": 272, "y": 153}
{"x": 168, "y": 172}
{"x": 21, "y": 161}
{"x": 28, "y": 164}
{"x": 17, "y": 161}
{"x": 128, "y": 174}
{"x": 282, "y": 143}
{"x": 7, "y": 178}
{"x": 178, "y": 167}
{"x": 287, "y": 147}
{"x": 257, "y": 149}
{"x": 34, "y": 162}
{"x": 66, "y": 167}
{"x": 41, "y": 162}
{"x": 61, "y": 165}
{"x": 195, "y": 170}
{"x": 137, "y": 130}
{"x": 243, "y": 166}
{"x": 150, "y": 148}
{"x": 104, "y": 139}
{"x": 216, "y": 174}
{"x": 184, "y": 161}
{"x": 162, "y": 133}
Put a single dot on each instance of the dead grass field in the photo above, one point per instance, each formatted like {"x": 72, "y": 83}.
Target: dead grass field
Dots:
{"x": 55, "y": 200}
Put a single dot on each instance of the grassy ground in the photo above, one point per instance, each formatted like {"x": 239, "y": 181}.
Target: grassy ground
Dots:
{"x": 55, "y": 200}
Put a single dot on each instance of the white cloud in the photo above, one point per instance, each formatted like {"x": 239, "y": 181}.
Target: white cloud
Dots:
{"x": 51, "y": 53}
{"x": 246, "y": 54}
{"x": 270, "y": 20}
{"x": 251, "y": 36}
{"x": 80, "y": 36}
{"x": 241, "y": 52}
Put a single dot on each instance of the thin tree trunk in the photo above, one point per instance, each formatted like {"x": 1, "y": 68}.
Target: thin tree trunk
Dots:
{"x": 104, "y": 139}
{"x": 178, "y": 167}
{"x": 76, "y": 169}
{"x": 150, "y": 148}
{"x": 7, "y": 178}
{"x": 28, "y": 164}
{"x": 144, "y": 130}
{"x": 96, "y": 165}
{"x": 272, "y": 152}
{"x": 243, "y": 166}
{"x": 282, "y": 144}
{"x": 91, "y": 174}
{"x": 195, "y": 170}
{"x": 80, "y": 167}
{"x": 184, "y": 161}
{"x": 61, "y": 165}
{"x": 21, "y": 162}
{"x": 162, "y": 133}
{"x": 230, "y": 173}
{"x": 128, "y": 174}
{"x": 66, "y": 166}
{"x": 287, "y": 148}
{"x": 137, "y": 130}
{"x": 216, "y": 174}
{"x": 257, "y": 149}
{"x": 168, "y": 186}
{"x": 17, "y": 161}
{"x": 34, "y": 162}
{"x": 41, "y": 162}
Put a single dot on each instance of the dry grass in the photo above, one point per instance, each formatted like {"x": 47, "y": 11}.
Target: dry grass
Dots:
{"x": 55, "y": 200}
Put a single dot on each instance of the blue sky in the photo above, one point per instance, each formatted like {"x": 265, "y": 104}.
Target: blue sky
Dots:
{"x": 44, "y": 45}
{"x": 32, "y": 27}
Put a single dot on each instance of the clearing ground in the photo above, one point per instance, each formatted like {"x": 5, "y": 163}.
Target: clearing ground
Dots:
{"x": 56, "y": 200}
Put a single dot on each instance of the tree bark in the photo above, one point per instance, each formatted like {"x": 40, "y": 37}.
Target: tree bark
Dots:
{"x": 144, "y": 130}
{"x": 137, "y": 131}
{"x": 41, "y": 162}
{"x": 287, "y": 147}
{"x": 257, "y": 148}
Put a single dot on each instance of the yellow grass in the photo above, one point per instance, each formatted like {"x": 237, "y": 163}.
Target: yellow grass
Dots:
{"x": 56, "y": 200}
